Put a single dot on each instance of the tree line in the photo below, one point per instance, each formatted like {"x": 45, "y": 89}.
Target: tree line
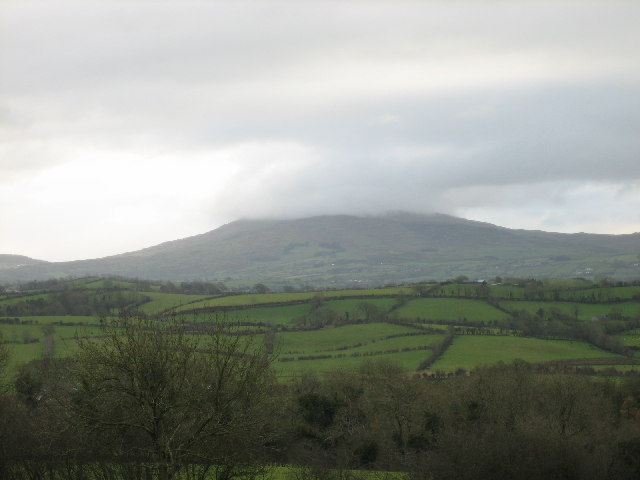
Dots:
{"x": 74, "y": 302}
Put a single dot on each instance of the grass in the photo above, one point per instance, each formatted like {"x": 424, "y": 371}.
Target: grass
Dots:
{"x": 408, "y": 361}
{"x": 585, "y": 311}
{"x": 71, "y": 332}
{"x": 371, "y": 345}
{"x": 20, "y": 336}
{"x": 554, "y": 289}
{"x": 351, "y": 305}
{"x": 463, "y": 289}
{"x": 286, "y": 314}
{"x": 160, "y": 302}
{"x": 277, "y": 315}
{"x": 48, "y": 319}
{"x": 290, "y": 472}
{"x": 621, "y": 368}
{"x": 507, "y": 291}
{"x": 350, "y": 346}
{"x": 20, "y": 333}
{"x": 22, "y": 298}
{"x": 600, "y": 294}
{"x": 252, "y": 299}
{"x": 19, "y": 354}
{"x": 331, "y": 338}
{"x": 64, "y": 347}
{"x": 369, "y": 292}
{"x": 631, "y": 340}
{"x": 451, "y": 309}
{"x": 399, "y": 343}
{"x": 471, "y": 351}
{"x": 361, "y": 340}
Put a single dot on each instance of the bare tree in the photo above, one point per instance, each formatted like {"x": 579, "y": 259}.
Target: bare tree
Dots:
{"x": 174, "y": 397}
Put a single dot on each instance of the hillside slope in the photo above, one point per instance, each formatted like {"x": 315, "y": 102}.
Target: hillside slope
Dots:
{"x": 15, "y": 261}
{"x": 343, "y": 249}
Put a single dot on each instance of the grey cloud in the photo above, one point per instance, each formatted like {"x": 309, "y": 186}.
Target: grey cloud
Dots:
{"x": 58, "y": 46}
{"x": 553, "y": 135}
{"x": 558, "y": 132}
{"x": 179, "y": 79}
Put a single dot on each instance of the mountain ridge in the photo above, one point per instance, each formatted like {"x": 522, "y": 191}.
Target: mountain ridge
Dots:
{"x": 345, "y": 249}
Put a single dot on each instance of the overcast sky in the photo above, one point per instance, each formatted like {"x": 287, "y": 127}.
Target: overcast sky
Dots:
{"x": 123, "y": 125}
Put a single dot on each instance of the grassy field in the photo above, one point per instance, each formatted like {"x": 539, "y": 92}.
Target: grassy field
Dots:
{"x": 160, "y": 302}
{"x": 293, "y": 472}
{"x": 19, "y": 354}
{"x": 622, "y": 368}
{"x": 27, "y": 342}
{"x": 632, "y": 340}
{"x": 407, "y": 361}
{"x": 100, "y": 283}
{"x": 452, "y": 309}
{"x": 369, "y": 292}
{"x": 470, "y": 351}
{"x": 286, "y": 314}
{"x": 277, "y": 315}
{"x": 250, "y": 299}
{"x": 13, "y": 299}
{"x": 307, "y": 342}
{"x": 507, "y": 291}
{"x": 349, "y": 343}
{"x": 462, "y": 290}
{"x": 585, "y": 311}
{"x": 550, "y": 290}
{"x": 50, "y": 319}
{"x": 352, "y": 306}
{"x": 599, "y": 294}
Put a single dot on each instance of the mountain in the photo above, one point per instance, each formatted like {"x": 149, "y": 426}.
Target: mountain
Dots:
{"x": 342, "y": 250}
{"x": 15, "y": 261}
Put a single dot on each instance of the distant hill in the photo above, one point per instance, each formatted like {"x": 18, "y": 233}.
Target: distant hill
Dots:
{"x": 15, "y": 261}
{"x": 343, "y": 250}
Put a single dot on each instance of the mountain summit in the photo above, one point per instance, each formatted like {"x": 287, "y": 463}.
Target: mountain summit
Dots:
{"x": 343, "y": 249}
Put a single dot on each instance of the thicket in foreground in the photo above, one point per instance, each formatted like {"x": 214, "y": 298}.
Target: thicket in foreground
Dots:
{"x": 166, "y": 400}
{"x": 150, "y": 399}
{"x": 503, "y": 422}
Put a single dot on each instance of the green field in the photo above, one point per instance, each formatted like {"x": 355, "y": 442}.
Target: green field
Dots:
{"x": 9, "y": 300}
{"x": 505, "y": 291}
{"x": 601, "y": 294}
{"x": 549, "y": 290}
{"x": 250, "y": 299}
{"x": 336, "y": 337}
{"x": 352, "y": 306}
{"x": 27, "y": 341}
{"x": 407, "y": 361}
{"x": 350, "y": 345}
{"x": 20, "y": 354}
{"x": 584, "y": 311}
{"x": 471, "y": 351}
{"x": 355, "y": 322}
{"x": 160, "y": 302}
{"x": 277, "y": 315}
{"x": 451, "y": 309}
{"x": 365, "y": 379}
{"x": 286, "y": 314}
{"x": 632, "y": 340}
{"x": 49, "y": 319}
